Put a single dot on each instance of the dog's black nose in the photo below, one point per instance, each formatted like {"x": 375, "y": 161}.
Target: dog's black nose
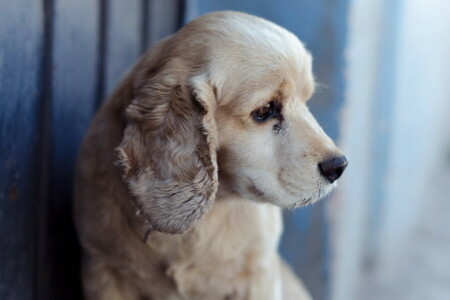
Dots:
{"x": 332, "y": 168}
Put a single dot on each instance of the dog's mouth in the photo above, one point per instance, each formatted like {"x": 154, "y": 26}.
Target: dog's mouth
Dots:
{"x": 310, "y": 199}
{"x": 298, "y": 197}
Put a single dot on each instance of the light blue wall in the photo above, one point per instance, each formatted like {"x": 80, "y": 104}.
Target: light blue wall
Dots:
{"x": 393, "y": 240}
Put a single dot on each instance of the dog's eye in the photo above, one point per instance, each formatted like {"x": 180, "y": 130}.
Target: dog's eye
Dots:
{"x": 267, "y": 112}
{"x": 262, "y": 114}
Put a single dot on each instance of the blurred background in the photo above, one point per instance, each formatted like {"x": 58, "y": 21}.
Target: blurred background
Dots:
{"x": 382, "y": 68}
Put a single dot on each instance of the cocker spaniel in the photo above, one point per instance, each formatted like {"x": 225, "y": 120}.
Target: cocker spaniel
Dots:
{"x": 183, "y": 172}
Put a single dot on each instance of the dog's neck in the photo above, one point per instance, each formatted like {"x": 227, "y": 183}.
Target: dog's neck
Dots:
{"x": 234, "y": 225}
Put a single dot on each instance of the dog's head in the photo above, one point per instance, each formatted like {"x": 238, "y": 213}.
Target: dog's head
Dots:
{"x": 227, "y": 94}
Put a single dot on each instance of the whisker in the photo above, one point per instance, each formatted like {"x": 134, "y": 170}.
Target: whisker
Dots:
{"x": 322, "y": 87}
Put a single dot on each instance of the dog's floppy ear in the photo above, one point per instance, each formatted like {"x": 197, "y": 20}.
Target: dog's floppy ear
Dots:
{"x": 168, "y": 152}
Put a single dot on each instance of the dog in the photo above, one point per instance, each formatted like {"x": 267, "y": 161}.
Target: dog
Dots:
{"x": 183, "y": 173}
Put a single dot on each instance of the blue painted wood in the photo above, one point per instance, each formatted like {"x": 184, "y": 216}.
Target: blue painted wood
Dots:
{"x": 54, "y": 70}
{"x": 74, "y": 90}
{"x": 123, "y": 39}
{"x": 164, "y": 18}
{"x": 21, "y": 31}
{"x": 321, "y": 25}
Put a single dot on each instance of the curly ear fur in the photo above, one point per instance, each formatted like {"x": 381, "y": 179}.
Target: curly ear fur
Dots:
{"x": 168, "y": 152}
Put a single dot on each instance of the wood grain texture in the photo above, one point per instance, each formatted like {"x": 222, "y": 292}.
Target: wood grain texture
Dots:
{"x": 75, "y": 59}
{"x": 21, "y": 31}
{"x": 123, "y": 40}
{"x": 58, "y": 60}
{"x": 164, "y": 18}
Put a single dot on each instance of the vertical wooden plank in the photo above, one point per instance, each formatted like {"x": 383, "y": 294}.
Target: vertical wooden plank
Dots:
{"x": 123, "y": 39}
{"x": 321, "y": 25}
{"x": 164, "y": 18}
{"x": 21, "y": 31}
{"x": 41, "y": 283}
{"x": 74, "y": 91}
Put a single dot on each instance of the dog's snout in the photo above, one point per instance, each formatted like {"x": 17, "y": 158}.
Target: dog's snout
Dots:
{"x": 332, "y": 168}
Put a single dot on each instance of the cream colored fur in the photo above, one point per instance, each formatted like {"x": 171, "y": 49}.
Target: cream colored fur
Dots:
{"x": 178, "y": 189}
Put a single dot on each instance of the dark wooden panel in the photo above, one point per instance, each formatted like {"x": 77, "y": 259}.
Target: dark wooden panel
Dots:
{"x": 123, "y": 39}
{"x": 21, "y": 31}
{"x": 74, "y": 90}
{"x": 52, "y": 76}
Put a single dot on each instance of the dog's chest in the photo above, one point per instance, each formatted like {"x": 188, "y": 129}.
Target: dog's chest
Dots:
{"x": 228, "y": 252}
